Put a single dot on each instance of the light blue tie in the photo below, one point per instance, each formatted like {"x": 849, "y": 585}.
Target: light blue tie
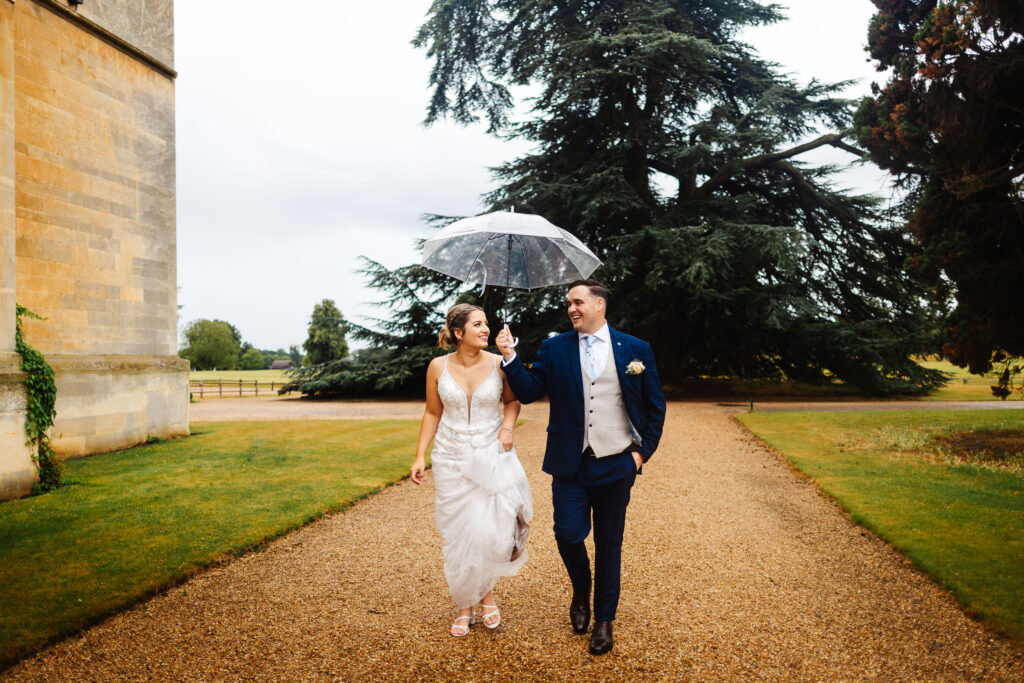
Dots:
{"x": 589, "y": 357}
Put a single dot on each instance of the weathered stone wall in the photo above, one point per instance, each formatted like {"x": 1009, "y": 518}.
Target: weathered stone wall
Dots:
{"x": 94, "y": 161}
{"x": 93, "y": 238}
{"x": 16, "y": 470}
{"x": 146, "y": 24}
{"x": 7, "y": 206}
{"x": 106, "y": 403}
{"x": 17, "y": 473}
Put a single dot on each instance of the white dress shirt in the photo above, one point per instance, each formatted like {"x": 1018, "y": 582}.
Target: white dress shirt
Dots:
{"x": 601, "y": 345}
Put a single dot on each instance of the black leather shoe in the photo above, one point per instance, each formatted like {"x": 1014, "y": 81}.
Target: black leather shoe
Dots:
{"x": 601, "y": 638}
{"x": 579, "y": 612}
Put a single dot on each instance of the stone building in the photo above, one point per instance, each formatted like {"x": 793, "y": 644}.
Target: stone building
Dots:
{"x": 87, "y": 223}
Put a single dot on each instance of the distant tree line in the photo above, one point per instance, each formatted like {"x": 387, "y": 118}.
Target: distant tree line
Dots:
{"x": 218, "y": 345}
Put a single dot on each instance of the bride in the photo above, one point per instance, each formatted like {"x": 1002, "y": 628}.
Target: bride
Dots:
{"x": 482, "y": 499}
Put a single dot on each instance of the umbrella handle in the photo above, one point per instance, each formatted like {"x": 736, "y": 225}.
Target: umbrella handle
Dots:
{"x": 515, "y": 340}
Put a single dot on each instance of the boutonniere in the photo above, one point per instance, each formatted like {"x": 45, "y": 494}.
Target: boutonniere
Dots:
{"x": 635, "y": 367}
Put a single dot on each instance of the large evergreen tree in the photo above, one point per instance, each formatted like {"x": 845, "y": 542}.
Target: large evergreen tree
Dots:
{"x": 672, "y": 149}
{"x": 949, "y": 123}
{"x": 752, "y": 263}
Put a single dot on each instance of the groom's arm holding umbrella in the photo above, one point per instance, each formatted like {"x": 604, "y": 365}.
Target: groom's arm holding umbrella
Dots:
{"x": 528, "y": 385}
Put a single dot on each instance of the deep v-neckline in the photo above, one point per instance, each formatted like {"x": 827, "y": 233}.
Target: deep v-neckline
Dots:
{"x": 469, "y": 396}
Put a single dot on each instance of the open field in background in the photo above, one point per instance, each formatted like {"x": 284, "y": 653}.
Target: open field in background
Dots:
{"x": 207, "y": 384}
{"x": 146, "y": 518}
{"x": 247, "y": 375}
{"x": 964, "y": 386}
{"x": 954, "y": 504}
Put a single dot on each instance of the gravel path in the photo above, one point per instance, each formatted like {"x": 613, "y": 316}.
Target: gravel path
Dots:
{"x": 733, "y": 569}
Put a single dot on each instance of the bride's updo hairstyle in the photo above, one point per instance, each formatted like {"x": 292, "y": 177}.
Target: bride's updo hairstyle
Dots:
{"x": 456, "y": 320}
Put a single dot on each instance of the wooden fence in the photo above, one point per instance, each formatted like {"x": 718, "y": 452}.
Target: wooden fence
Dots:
{"x": 205, "y": 388}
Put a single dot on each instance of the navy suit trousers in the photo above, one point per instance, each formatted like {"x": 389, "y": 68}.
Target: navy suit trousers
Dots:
{"x": 599, "y": 490}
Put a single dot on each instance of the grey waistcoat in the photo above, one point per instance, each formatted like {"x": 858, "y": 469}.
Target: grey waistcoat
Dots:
{"x": 607, "y": 430}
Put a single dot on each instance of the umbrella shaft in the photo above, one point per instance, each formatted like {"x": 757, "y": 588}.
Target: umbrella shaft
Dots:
{"x": 508, "y": 276}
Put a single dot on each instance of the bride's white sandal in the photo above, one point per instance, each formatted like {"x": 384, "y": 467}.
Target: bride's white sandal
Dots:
{"x": 485, "y": 616}
{"x": 458, "y": 630}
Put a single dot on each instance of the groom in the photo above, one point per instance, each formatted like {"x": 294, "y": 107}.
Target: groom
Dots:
{"x": 607, "y": 413}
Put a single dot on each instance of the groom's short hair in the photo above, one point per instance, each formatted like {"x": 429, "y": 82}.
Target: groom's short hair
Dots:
{"x": 595, "y": 287}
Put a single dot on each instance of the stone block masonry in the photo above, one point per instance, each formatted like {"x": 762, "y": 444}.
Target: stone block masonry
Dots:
{"x": 88, "y": 225}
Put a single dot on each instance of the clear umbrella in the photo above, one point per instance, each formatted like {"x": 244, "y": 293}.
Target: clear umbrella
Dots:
{"x": 518, "y": 250}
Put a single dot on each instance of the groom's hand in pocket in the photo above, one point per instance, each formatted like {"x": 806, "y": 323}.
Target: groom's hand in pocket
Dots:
{"x": 638, "y": 460}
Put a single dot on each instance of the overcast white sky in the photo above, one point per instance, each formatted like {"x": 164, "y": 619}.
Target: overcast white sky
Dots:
{"x": 300, "y": 148}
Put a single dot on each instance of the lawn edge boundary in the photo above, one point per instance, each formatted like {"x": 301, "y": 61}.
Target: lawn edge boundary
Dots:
{"x": 867, "y": 530}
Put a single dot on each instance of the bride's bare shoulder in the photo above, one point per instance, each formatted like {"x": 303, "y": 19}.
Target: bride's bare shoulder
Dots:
{"x": 436, "y": 366}
{"x": 496, "y": 360}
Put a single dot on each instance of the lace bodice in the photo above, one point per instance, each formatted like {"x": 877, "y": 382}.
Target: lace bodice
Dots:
{"x": 467, "y": 421}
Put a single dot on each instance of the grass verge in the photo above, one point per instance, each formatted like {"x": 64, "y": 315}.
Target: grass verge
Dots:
{"x": 145, "y": 519}
{"x": 960, "y": 519}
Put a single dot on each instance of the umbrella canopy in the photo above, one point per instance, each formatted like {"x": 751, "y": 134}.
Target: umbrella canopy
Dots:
{"x": 509, "y": 249}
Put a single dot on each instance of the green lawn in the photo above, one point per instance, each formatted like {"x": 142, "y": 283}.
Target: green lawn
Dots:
{"x": 146, "y": 518}
{"x": 961, "y": 521}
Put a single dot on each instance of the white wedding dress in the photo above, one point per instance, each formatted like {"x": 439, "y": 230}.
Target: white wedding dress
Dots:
{"x": 480, "y": 488}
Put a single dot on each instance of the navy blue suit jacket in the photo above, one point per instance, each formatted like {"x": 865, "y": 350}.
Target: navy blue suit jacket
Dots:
{"x": 556, "y": 371}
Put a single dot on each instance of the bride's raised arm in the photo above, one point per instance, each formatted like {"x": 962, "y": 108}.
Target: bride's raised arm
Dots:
{"x": 431, "y": 418}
